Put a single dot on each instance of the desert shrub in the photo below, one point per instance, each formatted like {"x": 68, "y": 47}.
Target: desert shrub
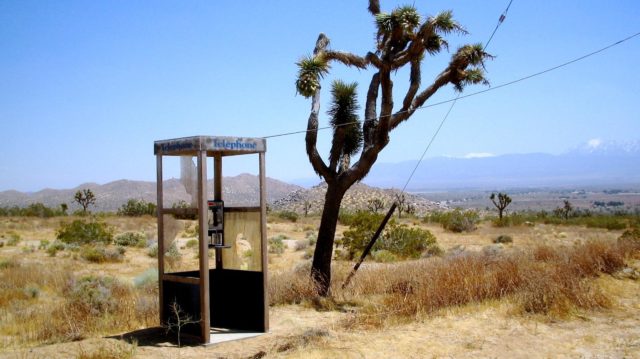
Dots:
{"x": 503, "y": 238}
{"x": 190, "y": 231}
{"x": 460, "y": 221}
{"x": 435, "y": 217}
{"x": 152, "y": 251}
{"x": 131, "y": 239}
{"x": 288, "y": 215}
{"x": 384, "y": 256}
{"x": 83, "y": 232}
{"x": 276, "y": 245}
{"x": 54, "y": 248}
{"x": 501, "y": 222}
{"x": 33, "y": 210}
{"x": 607, "y": 222}
{"x": 172, "y": 254}
{"x": 8, "y": 263}
{"x": 362, "y": 226}
{"x": 301, "y": 244}
{"x": 346, "y": 217}
{"x": 101, "y": 254}
{"x": 147, "y": 280}
{"x": 192, "y": 243}
{"x": 137, "y": 208}
{"x": 406, "y": 242}
{"x": 308, "y": 253}
{"x": 400, "y": 240}
{"x": 433, "y": 250}
{"x": 14, "y": 238}
{"x": 93, "y": 295}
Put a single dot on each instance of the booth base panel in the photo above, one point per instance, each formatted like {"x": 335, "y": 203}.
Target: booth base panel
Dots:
{"x": 221, "y": 335}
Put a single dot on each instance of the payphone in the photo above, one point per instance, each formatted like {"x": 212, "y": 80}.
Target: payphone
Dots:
{"x": 216, "y": 224}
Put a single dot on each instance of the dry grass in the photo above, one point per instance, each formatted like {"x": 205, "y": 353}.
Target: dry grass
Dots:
{"x": 47, "y": 304}
{"x": 553, "y": 281}
{"x": 108, "y": 350}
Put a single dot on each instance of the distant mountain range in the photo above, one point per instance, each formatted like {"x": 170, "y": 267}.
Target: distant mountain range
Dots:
{"x": 595, "y": 163}
{"x": 238, "y": 190}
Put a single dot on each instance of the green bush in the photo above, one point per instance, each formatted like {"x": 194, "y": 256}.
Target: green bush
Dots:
{"x": 346, "y": 217}
{"x": 137, "y": 208}
{"x": 288, "y": 215}
{"x": 503, "y": 238}
{"x": 131, "y": 239}
{"x": 460, "y": 221}
{"x": 407, "y": 242}
{"x": 83, "y": 232}
{"x": 400, "y": 240}
{"x": 384, "y": 256}
{"x": 362, "y": 227}
{"x": 276, "y": 245}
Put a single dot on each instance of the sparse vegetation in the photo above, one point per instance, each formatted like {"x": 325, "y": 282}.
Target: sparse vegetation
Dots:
{"x": 101, "y": 254}
{"x": 455, "y": 221}
{"x": 288, "y": 215}
{"x": 34, "y": 210}
{"x": 276, "y": 245}
{"x": 137, "y": 208}
{"x": 131, "y": 239}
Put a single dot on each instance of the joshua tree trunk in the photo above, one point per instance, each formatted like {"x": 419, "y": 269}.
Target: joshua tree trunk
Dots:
{"x": 403, "y": 39}
{"x": 321, "y": 267}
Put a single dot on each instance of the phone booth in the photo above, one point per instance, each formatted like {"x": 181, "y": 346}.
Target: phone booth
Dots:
{"x": 224, "y": 294}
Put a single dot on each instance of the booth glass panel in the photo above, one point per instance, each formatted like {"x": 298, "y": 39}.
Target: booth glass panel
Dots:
{"x": 243, "y": 236}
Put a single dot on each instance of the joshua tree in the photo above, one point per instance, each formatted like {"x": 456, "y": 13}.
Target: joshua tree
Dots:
{"x": 503, "y": 201}
{"x": 403, "y": 39}
{"x": 401, "y": 201}
{"x": 306, "y": 207}
{"x": 375, "y": 205}
{"x": 85, "y": 198}
{"x": 564, "y": 211}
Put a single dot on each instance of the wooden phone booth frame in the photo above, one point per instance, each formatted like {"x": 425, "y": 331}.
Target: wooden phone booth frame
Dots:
{"x": 238, "y": 297}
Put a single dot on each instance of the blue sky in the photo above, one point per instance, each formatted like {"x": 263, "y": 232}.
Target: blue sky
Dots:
{"x": 87, "y": 86}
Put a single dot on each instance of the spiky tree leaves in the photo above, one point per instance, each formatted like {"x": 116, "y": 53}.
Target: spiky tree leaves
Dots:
{"x": 347, "y": 132}
{"x": 403, "y": 38}
{"x": 311, "y": 70}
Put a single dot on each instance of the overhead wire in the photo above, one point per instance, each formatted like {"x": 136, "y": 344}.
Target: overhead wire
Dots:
{"x": 501, "y": 19}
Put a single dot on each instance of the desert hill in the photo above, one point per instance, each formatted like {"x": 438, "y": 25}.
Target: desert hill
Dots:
{"x": 356, "y": 198}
